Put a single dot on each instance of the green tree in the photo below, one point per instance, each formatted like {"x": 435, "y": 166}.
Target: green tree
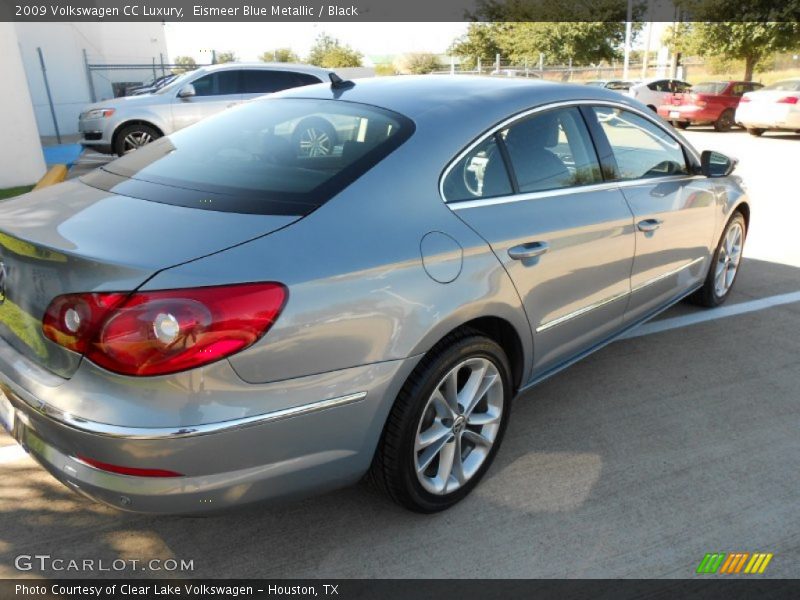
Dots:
{"x": 480, "y": 41}
{"x": 330, "y": 53}
{"x": 418, "y": 63}
{"x": 225, "y": 57}
{"x": 184, "y": 64}
{"x": 746, "y": 30}
{"x": 281, "y": 55}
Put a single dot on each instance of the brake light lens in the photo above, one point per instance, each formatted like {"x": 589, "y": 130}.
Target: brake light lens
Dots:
{"x": 162, "y": 332}
{"x": 788, "y": 100}
{"x": 744, "y": 99}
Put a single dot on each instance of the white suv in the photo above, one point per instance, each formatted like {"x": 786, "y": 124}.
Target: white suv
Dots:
{"x": 124, "y": 124}
{"x": 655, "y": 92}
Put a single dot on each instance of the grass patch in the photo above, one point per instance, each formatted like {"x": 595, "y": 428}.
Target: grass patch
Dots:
{"x": 15, "y": 191}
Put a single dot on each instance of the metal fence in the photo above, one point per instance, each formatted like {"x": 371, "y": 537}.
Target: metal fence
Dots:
{"x": 566, "y": 72}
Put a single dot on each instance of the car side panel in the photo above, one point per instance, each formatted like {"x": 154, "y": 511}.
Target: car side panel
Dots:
{"x": 371, "y": 299}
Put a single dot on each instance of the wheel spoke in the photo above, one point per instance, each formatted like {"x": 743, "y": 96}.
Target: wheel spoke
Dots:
{"x": 431, "y": 452}
{"x": 477, "y": 439}
{"x": 442, "y": 406}
{"x": 483, "y": 418}
{"x": 457, "y": 470}
{"x": 433, "y": 434}
{"x": 446, "y": 459}
{"x": 469, "y": 395}
{"x": 451, "y": 390}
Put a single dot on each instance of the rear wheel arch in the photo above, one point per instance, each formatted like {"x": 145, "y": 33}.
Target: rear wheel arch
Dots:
{"x": 744, "y": 208}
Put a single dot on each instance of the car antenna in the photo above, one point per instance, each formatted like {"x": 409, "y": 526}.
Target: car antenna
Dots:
{"x": 338, "y": 83}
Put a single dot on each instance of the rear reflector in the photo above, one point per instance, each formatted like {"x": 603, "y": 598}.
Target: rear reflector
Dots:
{"x": 132, "y": 471}
{"x": 788, "y": 100}
{"x": 161, "y": 332}
{"x": 744, "y": 99}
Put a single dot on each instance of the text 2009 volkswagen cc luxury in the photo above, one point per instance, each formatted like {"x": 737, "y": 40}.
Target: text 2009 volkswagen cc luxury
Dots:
{"x": 222, "y": 317}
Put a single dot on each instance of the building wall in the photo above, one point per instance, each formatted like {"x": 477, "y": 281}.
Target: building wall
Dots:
{"x": 21, "y": 159}
{"x": 62, "y": 46}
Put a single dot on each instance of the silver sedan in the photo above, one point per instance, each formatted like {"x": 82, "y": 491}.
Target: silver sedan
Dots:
{"x": 221, "y": 317}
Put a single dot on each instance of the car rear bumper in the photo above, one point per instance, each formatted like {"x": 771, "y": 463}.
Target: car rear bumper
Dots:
{"x": 310, "y": 446}
{"x": 688, "y": 113}
{"x": 769, "y": 116}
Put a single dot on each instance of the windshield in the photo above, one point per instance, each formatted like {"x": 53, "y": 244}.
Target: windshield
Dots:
{"x": 283, "y": 150}
{"x": 789, "y": 85}
{"x": 176, "y": 83}
{"x": 710, "y": 87}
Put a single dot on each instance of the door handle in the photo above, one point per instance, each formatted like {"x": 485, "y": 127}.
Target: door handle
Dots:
{"x": 649, "y": 225}
{"x": 528, "y": 250}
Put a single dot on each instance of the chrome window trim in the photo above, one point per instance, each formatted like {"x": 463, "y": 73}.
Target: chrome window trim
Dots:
{"x": 566, "y": 190}
{"x": 157, "y": 433}
{"x": 581, "y": 311}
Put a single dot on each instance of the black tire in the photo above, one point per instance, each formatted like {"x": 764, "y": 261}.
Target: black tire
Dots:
{"x": 725, "y": 121}
{"x": 122, "y": 137}
{"x": 682, "y": 124}
{"x": 393, "y": 468}
{"x": 755, "y": 131}
{"x": 321, "y": 130}
{"x": 707, "y": 295}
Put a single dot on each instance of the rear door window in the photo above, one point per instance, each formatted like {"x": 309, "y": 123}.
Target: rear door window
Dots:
{"x": 264, "y": 81}
{"x": 551, "y": 150}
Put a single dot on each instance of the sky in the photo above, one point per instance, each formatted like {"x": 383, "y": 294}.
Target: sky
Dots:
{"x": 249, "y": 40}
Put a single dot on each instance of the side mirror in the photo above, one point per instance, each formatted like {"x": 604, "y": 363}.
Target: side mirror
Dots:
{"x": 716, "y": 164}
{"x": 187, "y": 91}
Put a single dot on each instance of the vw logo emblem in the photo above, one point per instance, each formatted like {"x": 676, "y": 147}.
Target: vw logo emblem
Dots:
{"x": 2, "y": 282}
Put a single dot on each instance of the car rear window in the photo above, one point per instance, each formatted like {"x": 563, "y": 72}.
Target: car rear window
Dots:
{"x": 710, "y": 87}
{"x": 284, "y": 150}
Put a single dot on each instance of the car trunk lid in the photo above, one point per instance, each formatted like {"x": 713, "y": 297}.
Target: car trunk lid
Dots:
{"x": 74, "y": 238}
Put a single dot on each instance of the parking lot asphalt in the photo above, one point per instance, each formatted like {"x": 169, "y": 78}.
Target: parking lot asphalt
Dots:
{"x": 633, "y": 463}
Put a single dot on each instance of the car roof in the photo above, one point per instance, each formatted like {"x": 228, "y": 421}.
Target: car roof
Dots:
{"x": 448, "y": 97}
{"x": 269, "y": 66}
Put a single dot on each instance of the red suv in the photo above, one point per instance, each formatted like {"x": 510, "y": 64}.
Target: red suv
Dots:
{"x": 708, "y": 102}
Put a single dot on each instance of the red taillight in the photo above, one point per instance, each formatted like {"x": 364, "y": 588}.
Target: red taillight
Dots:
{"x": 72, "y": 320}
{"x": 744, "y": 99}
{"x": 788, "y": 100}
{"x": 156, "y": 333}
{"x": 132, "y": 471}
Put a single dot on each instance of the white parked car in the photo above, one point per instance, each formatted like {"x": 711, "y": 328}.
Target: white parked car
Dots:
{"x": 655, "y": 92}
{"x": 775, "y": 107}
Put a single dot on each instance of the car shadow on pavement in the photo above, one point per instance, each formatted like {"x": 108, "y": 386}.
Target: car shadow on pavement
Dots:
{"x": 639, "y": 459}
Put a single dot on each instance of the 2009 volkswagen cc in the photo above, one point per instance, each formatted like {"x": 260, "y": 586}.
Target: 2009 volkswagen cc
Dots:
{"x": 219, "y": 318}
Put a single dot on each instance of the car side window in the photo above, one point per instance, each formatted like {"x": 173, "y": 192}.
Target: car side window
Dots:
{"x": 551, "y": 150}
{"x": 641, "y": 149}
{"x": 659, "y": 86}
{"x": 481, "y": 173}
{"x": 217, "y": 84}
{"x": 263, "y": 81}
{"x": 739, "y": 89}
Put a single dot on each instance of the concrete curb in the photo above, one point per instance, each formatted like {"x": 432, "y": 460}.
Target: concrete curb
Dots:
{"x": 56, "y": 174}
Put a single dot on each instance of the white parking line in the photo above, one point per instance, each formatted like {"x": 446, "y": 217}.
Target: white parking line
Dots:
{"x": 710, "y": 315}
{"x": 9, "y": 454}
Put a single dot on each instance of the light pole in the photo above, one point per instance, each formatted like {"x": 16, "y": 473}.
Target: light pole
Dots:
{"x": 628, "y": 31}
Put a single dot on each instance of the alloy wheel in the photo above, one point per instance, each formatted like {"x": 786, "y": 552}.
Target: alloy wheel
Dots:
{"x": 459, "y": 425}
{"x": 314, "y": 142}
{"x": 135, "y": 140}
{"x": 728, "y": 258}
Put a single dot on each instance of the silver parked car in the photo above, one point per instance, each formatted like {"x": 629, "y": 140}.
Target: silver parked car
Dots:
{"x": 124, "y": 124}
{"x": 220, "y": 318}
